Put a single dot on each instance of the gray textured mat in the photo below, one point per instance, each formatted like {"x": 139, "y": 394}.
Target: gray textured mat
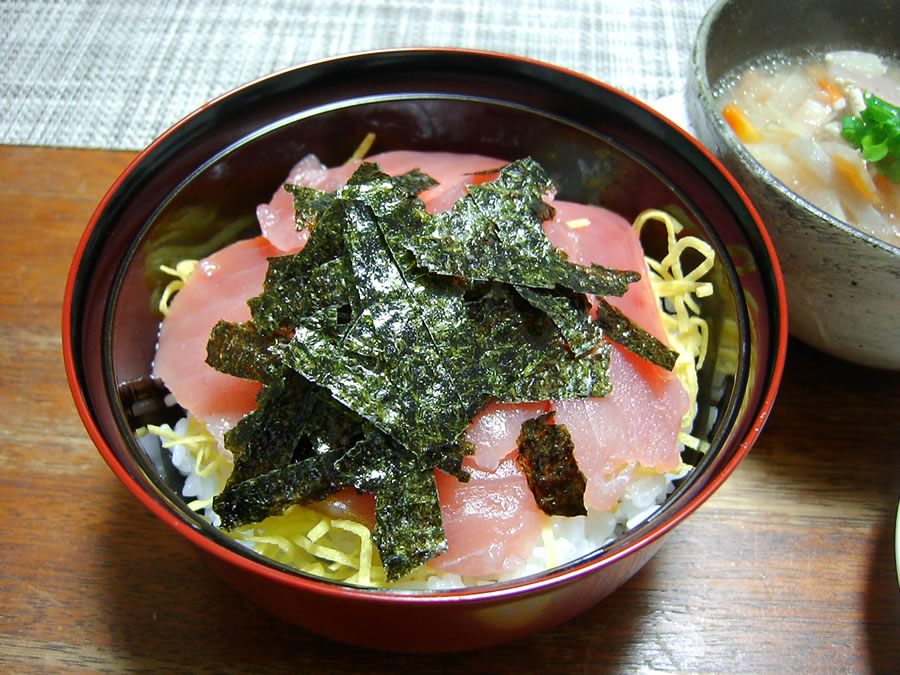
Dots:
{"x": 115, "y": 74}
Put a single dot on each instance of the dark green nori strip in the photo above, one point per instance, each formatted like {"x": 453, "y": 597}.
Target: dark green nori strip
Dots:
{"x": 332, "y": 426}
{"x": 523, "y": 356}
{"x": 267, "y": 438}
{"x": 408, "y": 527}
{"x": 564, "y": 379}
{"x": 494, "y": 234}
{"x": 619, "y": 328}
{"x": 285, "y": 300}
{"x": 255, "y": 499}
{"x": 387, "y": 364}
{"x": 329, "y": 468}
{"x": 297, "y": 284}
{"x": 409, "y": 530}
{"x": 449, "y": 459}
{"x": 239, "y": 349}
{"x": 546, "y": 457}
{"x": 309, "y": 204}
{"x": 414, "y": 182}
{"x": 569, "y": 311}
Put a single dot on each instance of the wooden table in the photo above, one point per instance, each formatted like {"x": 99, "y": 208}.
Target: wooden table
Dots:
{"x": 789, "y": 567}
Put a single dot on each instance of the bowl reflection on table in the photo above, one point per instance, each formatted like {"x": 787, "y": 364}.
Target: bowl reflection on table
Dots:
{"x": 843, "y": 285}
{"x": 204, "y": 178}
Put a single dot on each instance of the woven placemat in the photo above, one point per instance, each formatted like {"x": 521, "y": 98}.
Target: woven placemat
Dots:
{"x": 116, "y": 73}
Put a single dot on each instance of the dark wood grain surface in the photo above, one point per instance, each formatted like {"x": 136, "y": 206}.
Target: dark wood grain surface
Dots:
{"x": 789, "y": 567}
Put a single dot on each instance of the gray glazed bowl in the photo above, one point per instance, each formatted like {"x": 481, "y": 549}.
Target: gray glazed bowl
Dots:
{"x": 843, "y": 285}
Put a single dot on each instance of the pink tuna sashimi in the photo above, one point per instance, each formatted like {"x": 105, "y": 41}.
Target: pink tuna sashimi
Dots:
{"x": 276, "y": 219}
{"x": 608, "y": 239}
{"x": 349, "y": 505}
{"x": 494, "y": 431}
{"x": 636, "y": 425}
{"x": 491, "y": 522}
{"x": 217, "y": 289}
{"x": 452, "y": 171}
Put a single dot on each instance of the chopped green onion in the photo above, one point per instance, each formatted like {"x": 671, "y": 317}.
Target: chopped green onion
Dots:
{"x": 876, "y": 133}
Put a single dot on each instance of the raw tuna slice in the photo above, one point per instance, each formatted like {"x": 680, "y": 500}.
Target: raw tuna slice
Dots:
{"x": 276, "y": 219}
{"x": 217, "y": 289}
{"x": 592, "y": 234}
{"x": 495, "y": 429}
{"x": 635, "y": 426}
{"x": 491, "y": 522}
{"x": 454, "y": 172}
{"x": 349, "y": 504}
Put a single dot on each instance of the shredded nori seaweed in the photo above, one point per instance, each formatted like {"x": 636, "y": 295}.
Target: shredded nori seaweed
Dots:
{"x": 619, "y": 328}
{"x": 268, "y": 494}
{"x": 408, "y": 529}
{"x": 547, "y": 458}
{"x": 271, "y": 436}
{"x": 239, "y": 349}
{"x": 379, "y": 341}
{"x": 494, "y": 234}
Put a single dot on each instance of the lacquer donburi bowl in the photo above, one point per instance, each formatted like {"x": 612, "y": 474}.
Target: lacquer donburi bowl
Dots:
{"x": 598, "y": 144}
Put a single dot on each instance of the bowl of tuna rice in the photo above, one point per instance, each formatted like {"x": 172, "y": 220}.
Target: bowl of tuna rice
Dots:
{"x": 440, "y": 340}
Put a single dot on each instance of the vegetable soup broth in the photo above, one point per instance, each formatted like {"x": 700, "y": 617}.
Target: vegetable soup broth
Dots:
{"x": 788, "y": 112}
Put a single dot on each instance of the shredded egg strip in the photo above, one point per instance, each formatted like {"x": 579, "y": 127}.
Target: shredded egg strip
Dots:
{"x": 678, "y": 291}
{"x": 181, "y": 272}
{"x": 343, "y": 550}
{"x": 362, "y": 149}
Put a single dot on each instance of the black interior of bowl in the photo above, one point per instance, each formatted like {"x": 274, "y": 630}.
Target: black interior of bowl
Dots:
{"x": 198, "y": 187}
